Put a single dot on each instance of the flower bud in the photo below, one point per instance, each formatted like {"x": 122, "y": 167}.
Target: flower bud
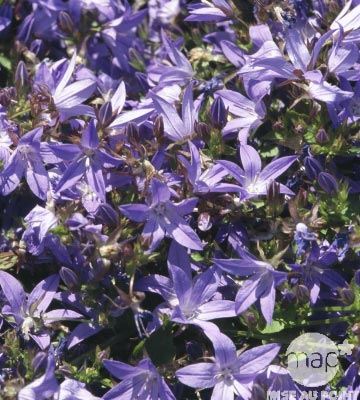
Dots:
{"x": 327, "y": 182}
{"x": 39, "y": 361}
{"x": 218, "y": 113}
{"x": 105, "y": 114}
{"x": 322, "y": 137}
{"x": 355, "y": 329}
{"x": 204, "y": 222}
{"x": 65, "y": 22}
{"x": 347, "y": 296}
{"x": 275, "y": 204}
{"x": 102, "y": 355}
{"x": 302, "y": 294}
{"x": 5, "y": 97}
{"x": 159, "y": 130}
{"x": 250, "y": 318}
{"x": 69, "y": 277}
{"x": 132, "y": 134}
{"x": 203, "y": 130}
{"x": 37, "y": 46}
{"x": 312, "y": 167}
{"x": 21, "y": 75}
{"x": 288, "y": 296}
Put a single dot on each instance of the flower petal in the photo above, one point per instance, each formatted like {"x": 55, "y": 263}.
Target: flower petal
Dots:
{"x": 198, "y": 376}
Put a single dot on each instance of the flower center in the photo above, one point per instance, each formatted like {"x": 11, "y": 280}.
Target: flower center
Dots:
{"x": 26, "y": 152}
{"x": 225, "y": 374}
{"x": 27, "y": 326}
{"x": 255, "y": 187}
{"x": 159, "y": 209}
{"x": 88, "y": 152}
{"x": 190, "y": 314}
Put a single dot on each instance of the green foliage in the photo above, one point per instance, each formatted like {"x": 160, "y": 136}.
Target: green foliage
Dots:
{"x": 159, "y": 345}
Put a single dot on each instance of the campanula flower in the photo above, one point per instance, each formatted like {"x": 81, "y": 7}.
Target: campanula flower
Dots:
{"x": 164, "y": 218}
{"x": 229, "y": 374}
{"x": 142, "y": 382}
{"x": 253, "y": 180}
{"x": 26, "y": 160}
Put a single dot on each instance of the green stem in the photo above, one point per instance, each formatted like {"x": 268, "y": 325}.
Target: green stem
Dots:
{"x": 326, "y": 321}
{"x": 334, "y": 308}
{"x": 17, "y": 114}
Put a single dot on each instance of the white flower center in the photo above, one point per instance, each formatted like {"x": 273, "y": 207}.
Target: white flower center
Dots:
{"x": 27, "y": 326}
{"x": 225, "y": 374}
{"x": 255, "y": 187}
{"x": 190, "y": 313}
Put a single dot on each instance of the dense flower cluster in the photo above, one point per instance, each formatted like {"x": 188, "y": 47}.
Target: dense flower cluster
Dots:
{"x": 179, "y": 193}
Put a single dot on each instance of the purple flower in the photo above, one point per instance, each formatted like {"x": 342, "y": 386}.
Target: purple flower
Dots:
{"x": 314, "y": 271}
{"x": 220, "y": 10}
{"x": 141, "y": 382}
{"x": 188, "y": 301}
{"x": 67, "y": 97}
{"x": 43, "y": 387}
{"x": 347, "y": 20}
{"x": 28, "y": 312}
{"x": 179, "y": 72}
{"x": 88, "y": 162}
{"x": 229, "y": 374}
{"x": 176, "y": 128}
{"x": 71, "y": 389}
{"x": 303, "y": 238}
{"x": 164, "y": 218}
{"x": 161, "y": 13}
{"x": 5, "y": 140}
{"x": 47, "y": 385}
{"x": 253, "y": 180}
{"x": 116, "y": 104}
{"x": 194, "y": 298}
{"x": 26, "y": 160}
{"x": 249, "y": 113}
{"x": 260, "y": 286}
{"x": 6, "y": 14}
{"x": 39, "y": 221}
{"x": 209, "y": 180}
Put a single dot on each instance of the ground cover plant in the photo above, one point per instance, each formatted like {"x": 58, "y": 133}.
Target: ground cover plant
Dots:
{"x": 179, "y": 195}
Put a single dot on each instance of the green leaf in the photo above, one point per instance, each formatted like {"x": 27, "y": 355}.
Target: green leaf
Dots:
{"x": 274, "y": 327}
{"x": 5, "y": 62}
{"x": 8, "y": 260}
{"x": 195, "y": 256}
{"x": 138, "y": 349}
{"x": 160, "y": 346}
